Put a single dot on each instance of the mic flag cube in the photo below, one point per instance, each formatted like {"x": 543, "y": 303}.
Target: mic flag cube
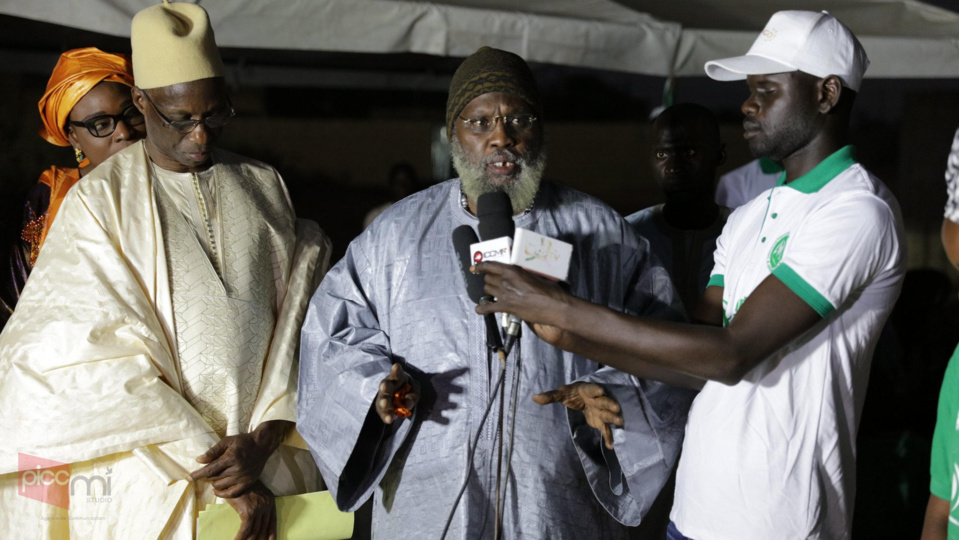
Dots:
{"x": 541, "y": 255}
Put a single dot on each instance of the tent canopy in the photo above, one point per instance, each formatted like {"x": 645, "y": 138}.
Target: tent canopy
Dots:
{"x": 904, "y": 39}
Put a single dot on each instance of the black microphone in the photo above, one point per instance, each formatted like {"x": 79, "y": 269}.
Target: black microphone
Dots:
{"x": 495, "y": 212}
{"x": 463, "y": 238}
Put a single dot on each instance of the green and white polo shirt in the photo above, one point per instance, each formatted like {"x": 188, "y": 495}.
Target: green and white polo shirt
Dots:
{"x": 774, "y": 455}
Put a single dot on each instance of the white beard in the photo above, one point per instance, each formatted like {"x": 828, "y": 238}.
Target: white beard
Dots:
{"x": 475, "y": 182}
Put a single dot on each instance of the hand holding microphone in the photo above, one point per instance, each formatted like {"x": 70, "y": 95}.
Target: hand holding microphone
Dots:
{"x": 528, "y": 297}
{"x": 538, "y": 253}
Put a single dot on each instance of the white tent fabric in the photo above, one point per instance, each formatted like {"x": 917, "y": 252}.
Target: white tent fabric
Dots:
{"x": 654, "y": 37}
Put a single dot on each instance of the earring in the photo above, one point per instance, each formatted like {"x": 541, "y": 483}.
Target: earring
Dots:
{"x": 79, "y": 154}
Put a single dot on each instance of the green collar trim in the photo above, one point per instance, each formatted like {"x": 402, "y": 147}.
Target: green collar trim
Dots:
{"x": 768, "y": 166}
{"x": 829, "y": 168}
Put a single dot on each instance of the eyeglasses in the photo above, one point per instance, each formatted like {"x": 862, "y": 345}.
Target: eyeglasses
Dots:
{"x": 105, "y": 124}
{"x": 484, "y": 124}
{"x": 214, "y": 121}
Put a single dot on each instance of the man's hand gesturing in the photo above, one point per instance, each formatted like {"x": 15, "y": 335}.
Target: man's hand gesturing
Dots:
{"x": 600, "y": 410}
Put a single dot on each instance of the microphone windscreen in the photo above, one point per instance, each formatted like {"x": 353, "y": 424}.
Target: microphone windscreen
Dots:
{"x": 495, "y": 213}
{"x": 463, "y": 238}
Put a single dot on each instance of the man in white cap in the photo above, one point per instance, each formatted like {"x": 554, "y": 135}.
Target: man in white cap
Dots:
{"x": 804, "y": 280}
{"x": 153, "y": 352}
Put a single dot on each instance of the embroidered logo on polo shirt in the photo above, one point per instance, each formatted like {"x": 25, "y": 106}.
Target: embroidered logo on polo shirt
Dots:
{"x": 776, "y": 253}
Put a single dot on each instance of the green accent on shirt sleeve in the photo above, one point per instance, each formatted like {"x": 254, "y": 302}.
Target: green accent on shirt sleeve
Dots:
{"x": 716, "y": 280}
{"x": 803, "y": 289}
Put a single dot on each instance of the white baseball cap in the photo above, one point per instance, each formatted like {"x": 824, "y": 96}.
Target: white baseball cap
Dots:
{"x": 807, "y": 41}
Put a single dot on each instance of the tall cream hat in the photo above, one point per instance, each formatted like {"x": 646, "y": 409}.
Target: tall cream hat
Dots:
{"x": 173, "y": 43}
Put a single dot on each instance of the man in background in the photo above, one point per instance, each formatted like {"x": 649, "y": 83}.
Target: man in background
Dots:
{"x": 402, "y": 182}
{"x": 743, "y": 184}
{"x": 682, "y": 231}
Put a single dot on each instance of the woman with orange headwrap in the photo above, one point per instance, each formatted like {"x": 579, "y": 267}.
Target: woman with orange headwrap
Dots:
{"x": 87, "y": 105}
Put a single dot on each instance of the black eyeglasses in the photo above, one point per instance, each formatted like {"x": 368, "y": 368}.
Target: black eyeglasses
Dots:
{"x": 105, "y": 124}
{"x": 214, "y": 121}
{"x": 485, "y": 124}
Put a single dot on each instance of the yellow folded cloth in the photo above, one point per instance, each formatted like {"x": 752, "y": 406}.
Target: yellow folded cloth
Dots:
{"x": 311, "y": 516}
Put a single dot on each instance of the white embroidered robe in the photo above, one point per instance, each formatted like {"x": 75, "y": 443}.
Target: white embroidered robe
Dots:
{"x": 128, "y": 355}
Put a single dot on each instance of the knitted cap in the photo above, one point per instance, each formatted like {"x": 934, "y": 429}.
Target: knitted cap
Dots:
{"x": 173, "y": 43}
{"x": 490, "y": 70}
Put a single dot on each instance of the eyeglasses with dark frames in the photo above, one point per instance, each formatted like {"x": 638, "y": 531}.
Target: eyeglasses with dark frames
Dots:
{"x": 104, "y": 125}
{"x": 214, "y": 121}
{"x": 485, "y": 124}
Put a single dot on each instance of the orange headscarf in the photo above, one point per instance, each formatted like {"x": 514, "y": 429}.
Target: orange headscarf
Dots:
{"x": 75, "y": 74}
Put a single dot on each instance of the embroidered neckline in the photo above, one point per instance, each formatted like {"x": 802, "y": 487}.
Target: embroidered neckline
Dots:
{"x": 204, "y": 211}
{"x": 464, "y": 202}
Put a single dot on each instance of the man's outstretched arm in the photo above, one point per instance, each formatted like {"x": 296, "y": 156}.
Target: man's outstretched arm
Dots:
{"x": 771, "y": 317}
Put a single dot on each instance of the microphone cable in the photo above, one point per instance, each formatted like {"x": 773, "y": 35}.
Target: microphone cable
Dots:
{"x": 463, "y": 237}
{"x": 475, "y": 445}
{"x": 497, "y": 519}
{"x": 512, "y": 427}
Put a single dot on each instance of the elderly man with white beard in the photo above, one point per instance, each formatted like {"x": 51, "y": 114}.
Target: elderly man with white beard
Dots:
{"x": 395, "y": 311}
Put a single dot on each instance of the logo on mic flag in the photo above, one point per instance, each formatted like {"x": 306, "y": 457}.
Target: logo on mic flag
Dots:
{"x": 497, "y": 250}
